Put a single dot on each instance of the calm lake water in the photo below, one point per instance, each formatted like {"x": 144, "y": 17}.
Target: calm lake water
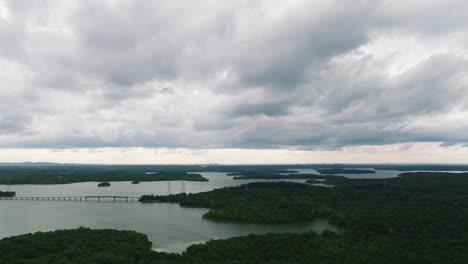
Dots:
{"x": 170, "y": 227}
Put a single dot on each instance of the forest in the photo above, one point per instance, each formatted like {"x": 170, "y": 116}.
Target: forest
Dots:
{"x": 344, "y": 171}
{"x": 99, "y": 173}
{"x": 266, "y": 175}
{"x": 414, "y": 218}
{"x": 81, "y": 246}
{"x": 86, "y": 246}
{"x": 426, "y": 213}
{"x": 54, "y": 173}
{"x": 380, "y": 205}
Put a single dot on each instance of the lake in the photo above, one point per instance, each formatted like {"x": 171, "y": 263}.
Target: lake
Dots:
{"x": 170, "y": 227}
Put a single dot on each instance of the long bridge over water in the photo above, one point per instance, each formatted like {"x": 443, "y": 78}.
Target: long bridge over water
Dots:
{"x": 87, "y": 198}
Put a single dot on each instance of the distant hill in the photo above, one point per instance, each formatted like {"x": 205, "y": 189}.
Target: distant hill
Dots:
{"x": 257, "y": 167}
{"x": 27, "y": 164}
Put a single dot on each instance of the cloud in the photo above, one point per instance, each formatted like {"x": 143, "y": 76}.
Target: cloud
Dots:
{"x": 236, "y": 74}
{"x": 13, "y": 124}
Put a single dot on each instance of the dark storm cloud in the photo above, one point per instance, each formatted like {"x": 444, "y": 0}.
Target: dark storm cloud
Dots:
{"x": 13, "y": 123}
{"x": 249, "y": 74}
{"x": 301, "y": 41}
{"x": 269, "y": 109}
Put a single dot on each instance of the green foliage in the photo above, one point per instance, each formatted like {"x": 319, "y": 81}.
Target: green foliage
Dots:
{"x": 104, "y": 184}
{"x": 402, "y": 204}
{"x": 266, "y": 175}
{"x": 79, "y": 246}
{"x": 260, "y": 172}
{"x": 344, "y": 171}
{"x": 81, "y": 173}
{"x": 416, "y": 218}
{"x": 83, "y": 245}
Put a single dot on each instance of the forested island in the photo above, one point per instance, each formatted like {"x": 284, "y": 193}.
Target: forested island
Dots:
{"x": 7, "y": 194}
{"x": 344, "y": 171}
{"x": 104, "y": 184}
{"x": 73, "y": 174}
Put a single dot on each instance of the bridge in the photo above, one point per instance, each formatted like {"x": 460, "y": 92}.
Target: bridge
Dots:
{"x": 87, "y": 198}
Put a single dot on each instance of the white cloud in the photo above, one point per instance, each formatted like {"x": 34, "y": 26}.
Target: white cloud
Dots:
{"x": 232, "y": 74}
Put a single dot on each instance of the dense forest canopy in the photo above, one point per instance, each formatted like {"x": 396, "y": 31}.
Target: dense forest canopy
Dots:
{"x": 353, "y": 202}
{"x": 426, "y": 213}
{"x": 79, "y": 246}
{"x": 84, "y": 246}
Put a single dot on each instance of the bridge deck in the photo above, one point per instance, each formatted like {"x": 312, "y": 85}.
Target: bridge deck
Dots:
{"x": 75, "y": 198}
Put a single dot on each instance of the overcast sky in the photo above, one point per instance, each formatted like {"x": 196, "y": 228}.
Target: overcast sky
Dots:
{"x": 234, "y": 81}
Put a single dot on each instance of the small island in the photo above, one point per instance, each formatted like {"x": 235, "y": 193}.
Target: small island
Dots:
{"x": 7, "y": 194}
{"x": 344, "y": 171}
{"x": 104, "y": 184}
{"x": 135, "y": 182}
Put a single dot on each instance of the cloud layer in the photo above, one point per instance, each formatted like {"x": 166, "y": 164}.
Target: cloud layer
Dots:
{"x": 232, "y": 74}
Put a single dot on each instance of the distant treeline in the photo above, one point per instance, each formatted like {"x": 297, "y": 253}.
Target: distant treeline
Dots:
{"x": 271, "y": 167}
{"x": 72, "y": 174}
{"x": 51, "y": 173}
{"x": 344, "y": 171}
{"x": 266, "y": 175}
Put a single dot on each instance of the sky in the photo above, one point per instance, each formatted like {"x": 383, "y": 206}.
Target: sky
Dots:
{"x": 235, "y": 82}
